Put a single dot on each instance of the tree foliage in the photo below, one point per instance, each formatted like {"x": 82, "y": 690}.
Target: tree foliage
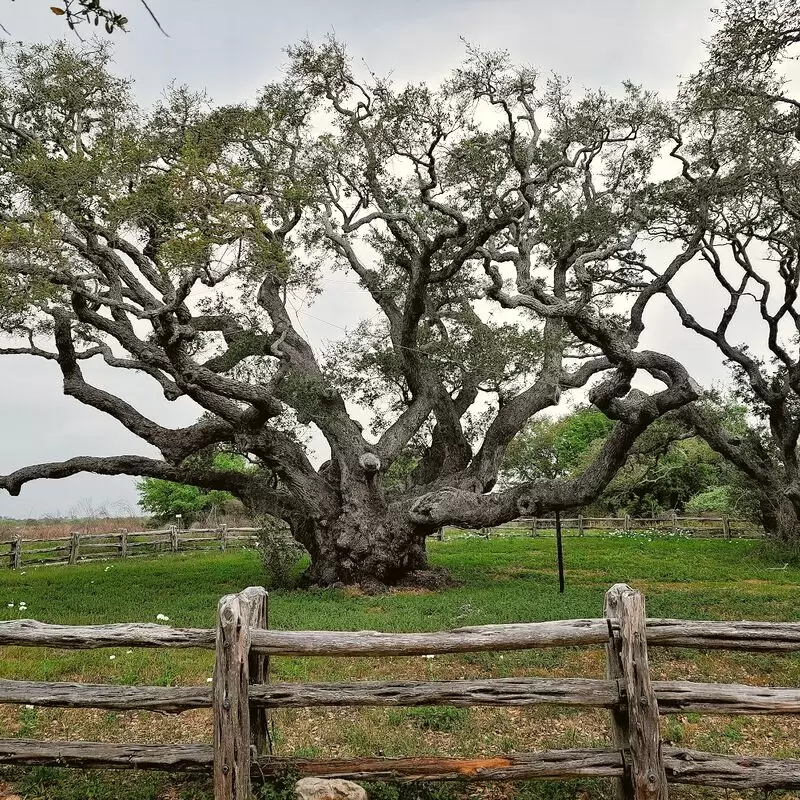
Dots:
{"x": 669, "y": 468}
{"x": 167, "y": 500}
{"x": 548, "y": 449}
{"x": 94, "y": 12}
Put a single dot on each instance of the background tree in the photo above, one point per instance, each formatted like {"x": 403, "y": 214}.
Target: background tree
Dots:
{"x": 669, "y": 468}
{"x": 448, "y": 205}
{"x": 547, "y": 448}
{"x": 168, "y": 499}
{"x": 735, "y": 138}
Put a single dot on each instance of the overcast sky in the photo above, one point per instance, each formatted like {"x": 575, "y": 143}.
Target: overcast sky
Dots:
{"x": 231, "y": 49}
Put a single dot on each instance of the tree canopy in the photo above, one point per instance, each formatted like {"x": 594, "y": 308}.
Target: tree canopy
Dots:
{"x": 500, "y": 224}
{"x": 447, "y": 204}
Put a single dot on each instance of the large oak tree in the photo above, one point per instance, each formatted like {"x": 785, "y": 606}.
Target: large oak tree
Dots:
{"x": 492, "y": 221}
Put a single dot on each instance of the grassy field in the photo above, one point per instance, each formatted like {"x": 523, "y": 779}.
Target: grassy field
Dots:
{"x": 503, "y": 580}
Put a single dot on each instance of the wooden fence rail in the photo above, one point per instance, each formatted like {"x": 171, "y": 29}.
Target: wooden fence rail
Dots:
{"x": 749, "y": 636}
{"x": 673, "y": 696}
{"x": 241, "y": 695}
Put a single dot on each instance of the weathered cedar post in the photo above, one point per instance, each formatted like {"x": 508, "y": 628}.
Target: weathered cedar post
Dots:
{"x": 15, "y": 554}
{"x": 726, "y": 527}
{"x": 623, "y": 789}
{"x": 674, "y": 522}
{"x": 533, "y": 527}
{"x": 123, "y": 543}
{"x": 173, "y": 538}
{"x": 235, "y": 615}
{"x": 259, "y": 668}
{"x": 635, "y": 724}
{"x": 74, "y": 546}
{"x": 627, "y": 522}
{"x": 223, "y": 537}
{"x": 580, "y": 524}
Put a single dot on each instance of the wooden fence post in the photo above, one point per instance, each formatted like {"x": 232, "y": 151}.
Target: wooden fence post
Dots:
{"x": 726, "y": 527}
{"x": 231, "y": 706}
{"x": 645, "y": 776}
{"x": 533, "y": 528}
{"x": 123, "y": 543}
{"x": 173, "y": 538}
{"x": 223, "y": 537}
{"x": 623, "y": 788}
{"x": 627, "y": 522}
{"x": 15, "y": 555}
{"x": 259, "y": 669}
{"x": 74, "y": 546}
{"x": 580, "y": 524}
{"x": 674, "y": 522}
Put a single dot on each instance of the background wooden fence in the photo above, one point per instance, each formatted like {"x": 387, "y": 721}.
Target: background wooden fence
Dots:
{"x": 241, "y": 694}
{"x": 694, "y": 527}
{"x": 80, "y": 547}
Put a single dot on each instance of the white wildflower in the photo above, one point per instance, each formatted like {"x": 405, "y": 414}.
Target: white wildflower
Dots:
{"x": 111, "y": 658}
{"x": 10, "y": 605}
{"x": 29, "y": 706}
{"x": 209, "y": 680}
{"x": 128, "y": 652}
{"x": 429, "y": 656}
{"x": 162, "y": 617}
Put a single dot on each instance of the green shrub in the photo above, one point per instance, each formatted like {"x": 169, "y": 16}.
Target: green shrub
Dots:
{"x": 716, "y": 499}
{"x": 281, "y": 556}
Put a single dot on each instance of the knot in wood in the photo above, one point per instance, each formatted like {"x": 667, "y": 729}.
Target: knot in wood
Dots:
{"x": 370, "y": 463}
{"x": 226, "y": 704}
{"x": 643, "y": 702}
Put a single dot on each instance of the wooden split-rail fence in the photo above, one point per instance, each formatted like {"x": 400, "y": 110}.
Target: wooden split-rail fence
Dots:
{"x": 670, "y": 524}
{"x": 80, "y": 547}
{"x": 241, "y": 695}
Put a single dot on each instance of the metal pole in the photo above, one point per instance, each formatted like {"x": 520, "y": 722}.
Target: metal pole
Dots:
{"x": 560, "y": 554}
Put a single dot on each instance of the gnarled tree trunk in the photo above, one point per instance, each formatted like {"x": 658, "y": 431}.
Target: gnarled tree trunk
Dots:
{"x": 364, "y": 548}
{"x": 367, "y": 542}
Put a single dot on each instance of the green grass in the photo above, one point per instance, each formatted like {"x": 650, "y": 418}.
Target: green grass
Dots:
{"x": 503, "y": 580}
